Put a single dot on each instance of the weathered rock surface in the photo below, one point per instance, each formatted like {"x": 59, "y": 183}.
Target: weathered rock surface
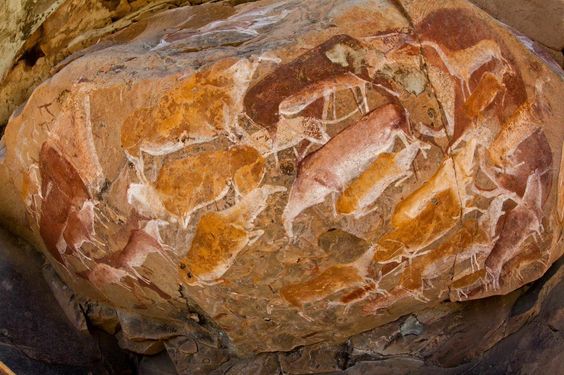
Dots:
{"x": 517, "y": 333}
{"x": 540, "y": 20}
{"x": 35, "y": 35}
{"x": 290, "y": 173}
{"x": 35, "y": 335}
{"x": 18, "y": 20}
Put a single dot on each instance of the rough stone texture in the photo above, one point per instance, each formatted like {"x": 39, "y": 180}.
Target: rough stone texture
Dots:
{"x": 35, "y": 335}
{"x": 156, "y": 365}
{"x": 540, "y": 20}
{"x": 283, "y": 174}
{"x": 520, "y": 333}
{"x": 18, "y": 21}
{"x": 36, "y": 35}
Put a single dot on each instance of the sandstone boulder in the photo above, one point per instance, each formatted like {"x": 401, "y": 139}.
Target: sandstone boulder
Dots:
{"x": 287, "y": 173}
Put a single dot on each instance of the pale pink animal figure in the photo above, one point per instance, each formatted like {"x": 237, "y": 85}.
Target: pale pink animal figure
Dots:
{"x": 344, "y": 157}
{"x": 292, "y": 129}
{"x": 114, "y": 270}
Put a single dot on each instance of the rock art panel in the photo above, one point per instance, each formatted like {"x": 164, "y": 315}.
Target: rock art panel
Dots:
{"x": 293, "y": 173}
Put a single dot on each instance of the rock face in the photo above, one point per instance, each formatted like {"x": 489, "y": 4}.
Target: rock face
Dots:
{"x": 18, "y": 20}
{"x": 293, "y": 172}
{"x": 35, "y": 335}
{"x": 537, "y": 19}
{"x": 35, "y": 35}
